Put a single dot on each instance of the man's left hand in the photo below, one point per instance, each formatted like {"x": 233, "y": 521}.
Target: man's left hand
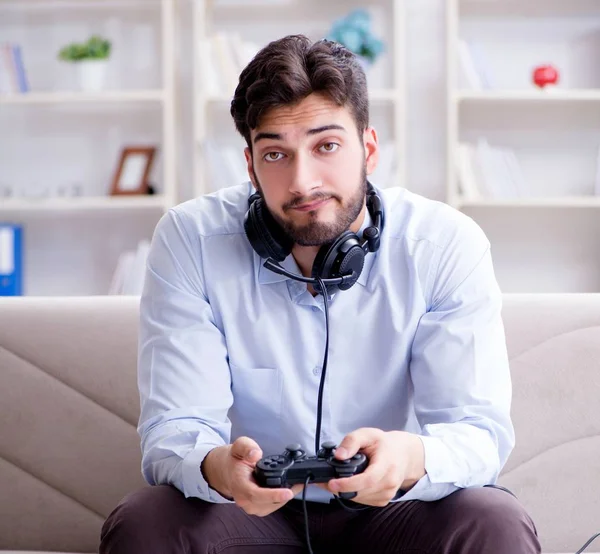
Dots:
{"x": 396, "y": 461}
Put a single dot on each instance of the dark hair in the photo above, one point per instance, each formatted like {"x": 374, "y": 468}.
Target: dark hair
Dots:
{"x": 289, "y": 69}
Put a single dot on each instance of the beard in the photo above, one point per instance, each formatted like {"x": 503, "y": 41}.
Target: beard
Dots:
{"x": 315, "y": 232}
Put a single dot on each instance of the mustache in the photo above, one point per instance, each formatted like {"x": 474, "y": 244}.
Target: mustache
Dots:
{"x": 309, "y": 199}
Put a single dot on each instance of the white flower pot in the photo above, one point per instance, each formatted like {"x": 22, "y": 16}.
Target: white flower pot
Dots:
{"x": 92, "y": 74}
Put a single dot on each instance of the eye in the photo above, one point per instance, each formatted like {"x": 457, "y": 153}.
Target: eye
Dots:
{"x": 329, "y": 147}
{"x": 273, "y": 156}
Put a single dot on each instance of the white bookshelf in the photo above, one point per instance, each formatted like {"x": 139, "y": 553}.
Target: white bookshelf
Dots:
{"x": 263, "y": 21}
{"x": 530, "y": 96}
{"x": 56, "y": 98}
{"x": 22, "y": 206}
{"x": 550, "y": 137}
{"x": 58, "y": 136}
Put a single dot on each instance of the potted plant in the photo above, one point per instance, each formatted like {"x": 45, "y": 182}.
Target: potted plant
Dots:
{"x": 91, "y": 59}
{"x": 353, "y": 31}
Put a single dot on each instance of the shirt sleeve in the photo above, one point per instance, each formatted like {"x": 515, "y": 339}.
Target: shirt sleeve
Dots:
{"x": 183, "y": 372}
{"x": 460, "y": 371}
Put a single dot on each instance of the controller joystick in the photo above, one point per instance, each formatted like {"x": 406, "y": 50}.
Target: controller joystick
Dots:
{"x": 293, "y": 467}
{"x": 294, "y": 451}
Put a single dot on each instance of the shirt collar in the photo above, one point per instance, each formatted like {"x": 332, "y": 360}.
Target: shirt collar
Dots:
{"x": 267, "y": 277}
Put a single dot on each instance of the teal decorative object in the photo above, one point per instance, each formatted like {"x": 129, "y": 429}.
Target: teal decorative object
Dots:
{"x": 353, "y": 31}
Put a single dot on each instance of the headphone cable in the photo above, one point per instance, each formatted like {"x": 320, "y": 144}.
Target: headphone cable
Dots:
{"x": 323, "y": 291}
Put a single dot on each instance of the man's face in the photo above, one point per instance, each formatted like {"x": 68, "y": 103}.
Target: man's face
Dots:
{"x": 310, "y": 166}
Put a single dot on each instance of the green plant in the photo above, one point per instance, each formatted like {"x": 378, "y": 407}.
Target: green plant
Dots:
{"x": 96, "y": 48}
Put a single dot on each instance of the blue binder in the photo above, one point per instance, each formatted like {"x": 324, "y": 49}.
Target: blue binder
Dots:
{"x": 11, "y": 260}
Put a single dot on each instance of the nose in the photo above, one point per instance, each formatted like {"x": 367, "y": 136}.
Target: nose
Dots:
{"x": 304, "y": 179}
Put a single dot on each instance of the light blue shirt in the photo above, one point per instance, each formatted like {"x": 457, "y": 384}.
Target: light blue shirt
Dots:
{"x": 228, "y": 348}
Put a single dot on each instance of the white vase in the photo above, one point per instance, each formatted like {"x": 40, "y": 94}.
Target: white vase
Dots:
{"x": 92, "y": 74}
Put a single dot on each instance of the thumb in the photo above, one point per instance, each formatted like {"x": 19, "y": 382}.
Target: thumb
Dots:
{"x": 356, "y": 440}
{"x": 246, "y": 449}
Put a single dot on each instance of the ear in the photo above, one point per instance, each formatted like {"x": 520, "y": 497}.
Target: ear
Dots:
{"x": 371, "y": 145}
{"x": 249, "y": 165}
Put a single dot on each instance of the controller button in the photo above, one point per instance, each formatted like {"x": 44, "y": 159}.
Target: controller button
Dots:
{"x": 345, "y": 461}
{"x": 356, "y": 457}
{"x": 281, "y": 461}
{"x": 273, "y": 465}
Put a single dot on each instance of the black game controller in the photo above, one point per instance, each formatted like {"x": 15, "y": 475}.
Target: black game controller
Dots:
{"x": 294, "y": 467}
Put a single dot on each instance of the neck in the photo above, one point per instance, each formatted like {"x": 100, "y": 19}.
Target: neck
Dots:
{"x": 305, "y": 255}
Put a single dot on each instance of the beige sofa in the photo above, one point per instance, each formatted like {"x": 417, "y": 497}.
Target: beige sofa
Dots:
{"x": 69, "y": 450}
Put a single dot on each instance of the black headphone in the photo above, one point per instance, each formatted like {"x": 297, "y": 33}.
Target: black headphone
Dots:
{"x": 337, "y": 264}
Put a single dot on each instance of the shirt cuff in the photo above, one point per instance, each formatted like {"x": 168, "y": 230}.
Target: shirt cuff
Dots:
{"x": 194, "y": 483}
{"x": 437, "y": 481}
{"x": 438, "y": 461}
{"x": 426, "y": 491}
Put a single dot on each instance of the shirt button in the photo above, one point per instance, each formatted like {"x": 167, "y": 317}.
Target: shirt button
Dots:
{"x": 317, "y": 371}
{"x": 316, "y": 309}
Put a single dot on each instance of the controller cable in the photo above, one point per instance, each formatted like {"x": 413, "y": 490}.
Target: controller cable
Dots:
{"x": 590, "y": 541}
{"x": 323, "y": 291}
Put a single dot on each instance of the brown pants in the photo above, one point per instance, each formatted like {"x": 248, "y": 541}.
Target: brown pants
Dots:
{"x": 160, "y": 520}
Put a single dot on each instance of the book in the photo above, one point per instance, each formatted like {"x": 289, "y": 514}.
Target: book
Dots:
{"x": 13, "y": 77}
{"x": 221, "y": 58}
{"x": 469, "y": 77}
{"x": 468, "y": 178}
{"x": 129, "y": 275}
{"x": 11, "y": 260}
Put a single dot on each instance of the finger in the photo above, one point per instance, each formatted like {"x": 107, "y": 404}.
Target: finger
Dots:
{"x": 251, "y": 492}
{"x": 297, "y": 489}
{"x": 246, "y": 449}
{"x": 369, "y": 479}
{"x": 379, "y": 497}
{"x": 375, "y": 499}
{"x": 324, "y": 486}
{"x": 354, "y": 441}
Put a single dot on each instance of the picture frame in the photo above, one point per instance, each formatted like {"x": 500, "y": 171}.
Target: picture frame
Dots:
{"x": 133, "y": 170}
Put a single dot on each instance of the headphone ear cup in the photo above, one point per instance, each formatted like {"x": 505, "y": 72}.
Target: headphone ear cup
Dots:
{"x": 341, "y": 257}
{"x": 266, "y": 237}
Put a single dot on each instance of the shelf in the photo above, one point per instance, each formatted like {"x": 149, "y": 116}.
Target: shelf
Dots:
{"x": 82, "y": 203}
{"x": 83, "y": 97}
{"x": 557, "y": 95}
{"x": 528, "y": 8}
{"x": 555, "y": 202}
{"x": 54, "y": 5}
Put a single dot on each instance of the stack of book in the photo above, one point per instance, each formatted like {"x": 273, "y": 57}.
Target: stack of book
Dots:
{"x": 13, "y": 77}
{"x": 128, "y": 278}
{"x": 222, "y": 57}
{"x": 475, "y": 73}
{"x": 486, "y": 171}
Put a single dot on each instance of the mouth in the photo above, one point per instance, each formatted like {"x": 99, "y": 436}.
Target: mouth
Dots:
{"x": 312, "y": 205}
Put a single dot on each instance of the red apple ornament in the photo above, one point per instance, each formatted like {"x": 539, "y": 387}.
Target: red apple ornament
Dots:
{"x": 545, "y": 75}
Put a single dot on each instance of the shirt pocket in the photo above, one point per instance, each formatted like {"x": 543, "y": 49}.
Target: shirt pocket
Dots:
{"x": 257, "y": 399}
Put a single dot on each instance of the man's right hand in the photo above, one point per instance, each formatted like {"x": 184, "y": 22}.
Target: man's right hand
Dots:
{"x": 228, "y": 470}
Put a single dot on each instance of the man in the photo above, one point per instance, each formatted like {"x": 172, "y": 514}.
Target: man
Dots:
{"x": 231, "y": 353}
